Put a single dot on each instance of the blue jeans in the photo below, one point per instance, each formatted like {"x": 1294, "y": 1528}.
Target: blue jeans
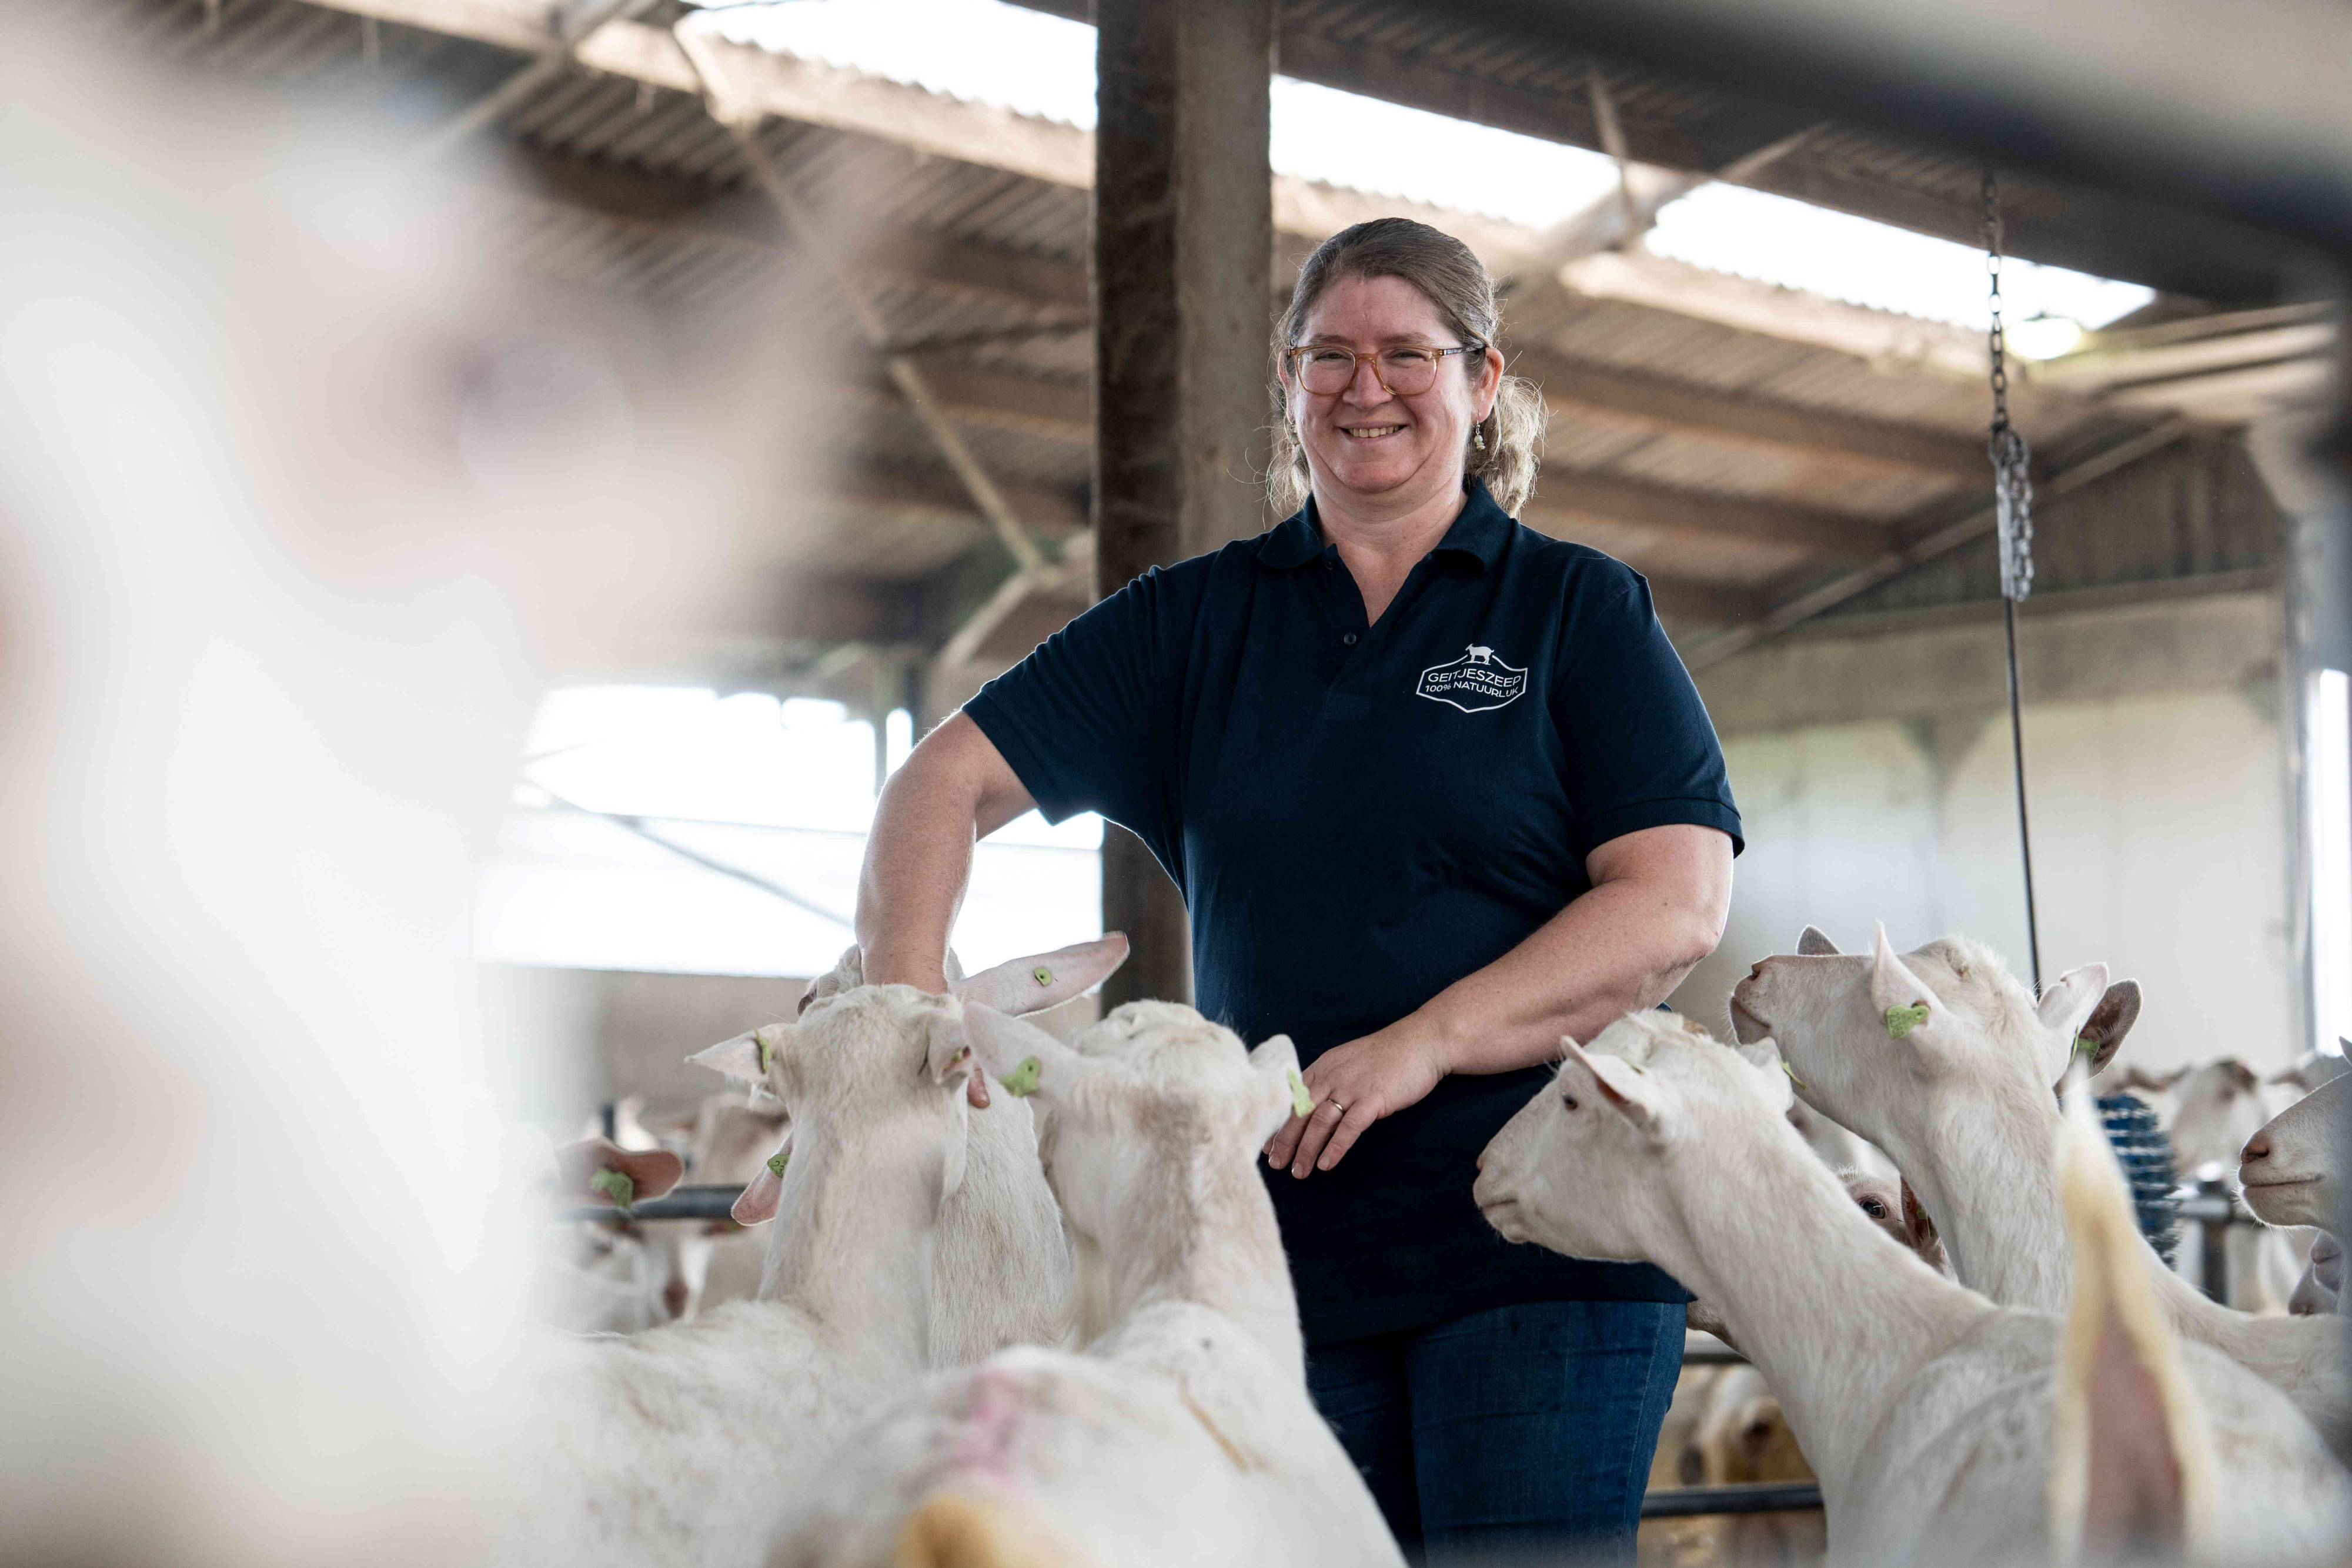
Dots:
{"x": 1518, "y": 1435}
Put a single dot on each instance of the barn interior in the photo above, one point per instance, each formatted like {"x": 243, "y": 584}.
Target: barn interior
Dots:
{"x": 1803, "y": 479}
{"x": 977, "y": 359}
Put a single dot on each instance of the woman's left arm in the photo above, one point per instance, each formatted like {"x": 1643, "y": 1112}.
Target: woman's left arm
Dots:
{"x": 1656, "y": 908}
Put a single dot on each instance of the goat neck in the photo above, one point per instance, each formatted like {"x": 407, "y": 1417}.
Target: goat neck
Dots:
{"x": 1188, "y": 1227}
{"x": 1835, "y": 1315}
{"x": 853, "y": 1246}
{"x": 1983, "y": 1173}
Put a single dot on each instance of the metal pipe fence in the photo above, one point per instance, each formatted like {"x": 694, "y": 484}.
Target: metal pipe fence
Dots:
{"x": 1748, "y": 1496}
{"x": 678, "y": 1203}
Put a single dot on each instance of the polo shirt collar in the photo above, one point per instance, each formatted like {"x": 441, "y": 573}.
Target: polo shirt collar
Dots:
{"x": 1478, "y": 533}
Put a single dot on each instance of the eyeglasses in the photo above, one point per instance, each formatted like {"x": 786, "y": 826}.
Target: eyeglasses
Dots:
{"x": 1406, "y": 370}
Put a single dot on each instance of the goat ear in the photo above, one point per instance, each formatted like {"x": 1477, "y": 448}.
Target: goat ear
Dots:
{"x": 2132, "y": 1458}
{"x": 747, "y": 1058}
{"x": 2067, "y": 1006}
{"x": 1813, "y": 944}
{"x": 1917, "y": 1220}
{"x": 597, "y": 1170}
{"x": 1275, "y": 1065}
{"x": 950, "y": 1057}
{"x": 1779, "y": 1086}
{"x": 848, "y": 971}
{"x": 1022, "y": 1057}
{"x": 2101, "y": 1035}
{"x": 756, "y": 1204}
{"x": 1910, "y": 1011}
{"x": 1623, "y": 1087}
{"x": 1045, "y": 980}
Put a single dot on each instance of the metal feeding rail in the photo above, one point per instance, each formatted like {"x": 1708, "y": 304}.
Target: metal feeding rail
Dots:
{"x": 1748, "y": 1496}
{"x": 678, "y": 1203}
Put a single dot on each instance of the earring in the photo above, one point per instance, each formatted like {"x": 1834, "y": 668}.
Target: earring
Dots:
{"x": 1479, "y": 438}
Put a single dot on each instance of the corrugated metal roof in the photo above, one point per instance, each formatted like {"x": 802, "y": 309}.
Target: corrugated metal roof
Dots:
{"x": 875, "y": 187}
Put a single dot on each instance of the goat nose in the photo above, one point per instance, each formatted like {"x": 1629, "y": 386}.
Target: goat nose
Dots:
{"x": 674, "y": 1298}
{"x": 2258, "y": 1147}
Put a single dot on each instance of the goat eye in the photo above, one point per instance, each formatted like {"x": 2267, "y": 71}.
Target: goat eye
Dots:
{"x": 1876, "y": 1209}
{"x": 1569, "y": 1101}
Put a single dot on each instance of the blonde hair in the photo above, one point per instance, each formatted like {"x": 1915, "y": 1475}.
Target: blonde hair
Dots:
{"x": 1457, "y": 282}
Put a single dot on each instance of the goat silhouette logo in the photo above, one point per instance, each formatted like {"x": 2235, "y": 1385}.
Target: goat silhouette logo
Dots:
{"x": 1475, "y": 683}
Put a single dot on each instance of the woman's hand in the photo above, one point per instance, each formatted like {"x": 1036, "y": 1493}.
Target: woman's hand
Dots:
{"x": 1372, "y": 1077}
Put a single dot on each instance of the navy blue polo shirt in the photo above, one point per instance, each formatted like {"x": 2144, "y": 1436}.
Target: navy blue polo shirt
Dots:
{"x": 1361, "y": 815}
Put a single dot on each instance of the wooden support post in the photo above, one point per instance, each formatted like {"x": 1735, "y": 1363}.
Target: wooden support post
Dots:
{"x": 1183, "y": 240}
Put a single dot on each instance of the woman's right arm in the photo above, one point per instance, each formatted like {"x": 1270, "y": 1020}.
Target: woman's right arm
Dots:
{"x": 954, "y": 789}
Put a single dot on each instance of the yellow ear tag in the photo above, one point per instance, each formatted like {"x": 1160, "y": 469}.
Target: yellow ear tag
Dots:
{"x": 1901, "y": 1021}
{"x": 1042, "y": 975}
{"x": 778, "y": 1161}
{"x": 1021, "y": 1081}
{"x": 1794, "y": 1081}
{"x": 2085, "y": 1046}
{"x": 767, "y": 1050}
{"x": 615, "y": 1185}
{"x": 1301, "y": 1101}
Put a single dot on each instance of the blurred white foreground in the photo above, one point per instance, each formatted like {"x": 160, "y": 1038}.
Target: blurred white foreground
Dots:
{"x": 297, "y": 516}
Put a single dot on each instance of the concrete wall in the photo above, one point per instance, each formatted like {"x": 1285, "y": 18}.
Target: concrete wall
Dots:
{"x": 1872, "y": 765}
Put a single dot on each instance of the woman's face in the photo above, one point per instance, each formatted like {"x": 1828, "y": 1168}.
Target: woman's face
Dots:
{"x": 1365, "y": 444}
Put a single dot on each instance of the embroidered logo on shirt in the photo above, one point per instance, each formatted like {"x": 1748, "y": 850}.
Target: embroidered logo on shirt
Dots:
{"x": 1473, "y": 682}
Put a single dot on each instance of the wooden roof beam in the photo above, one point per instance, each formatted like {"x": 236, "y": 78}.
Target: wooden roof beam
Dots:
{"x": 1565, "y": 499}
{"x": 1751, "y": 421}
{"x": 921, "y": 495}
{"x": 811, "y": 93}
{"x": 936, "y": 263}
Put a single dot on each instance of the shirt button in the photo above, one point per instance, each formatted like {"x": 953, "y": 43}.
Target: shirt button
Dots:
{"x": 1349, "y": 638}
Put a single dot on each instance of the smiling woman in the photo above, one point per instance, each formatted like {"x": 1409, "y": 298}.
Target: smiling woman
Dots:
{"x": 1437, "y": 792}
{"x": 1431, "y": 295}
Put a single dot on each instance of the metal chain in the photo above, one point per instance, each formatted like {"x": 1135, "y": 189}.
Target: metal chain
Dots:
{"x": 2012, "y": 459}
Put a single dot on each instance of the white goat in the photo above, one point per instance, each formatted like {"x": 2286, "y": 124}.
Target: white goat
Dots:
{"x": 2293, "y": 1174}
{"x": 1002, "y": 1272}
{"x": 680, "y": 1444}
{"x": 728, "y": 1145}
{"x": 1944, "y": 1429}
{"x": 1743, "y": 1437}
{"x": 671, "y": 1446}
{"x": 2292, "y": 1167}
{"x": 2312, "y": 1068}
{"x": 1887, "y": 1204}
{"x": 1944, "y": 1061}
{"x": 2217, "y": 1107}
{"x": 602, "y": 1276}
{"x": 2321, "y": 1289}
{"x": 1186, "y": 1436}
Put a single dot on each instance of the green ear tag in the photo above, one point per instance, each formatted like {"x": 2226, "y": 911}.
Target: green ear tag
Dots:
{"x": 2085, "y": 1046}
{"x": 1021, "y": 1081}
{"x": 1901, "y": 1021}
{"x": 767, "y": 1050}
{"x": 1301, "y": 1101}
{"x": 1042, "y": 975}
{"x": 1794, "y": 1081}
{"x": 778, "y": 1161}
{"x": 615, "y": 1185}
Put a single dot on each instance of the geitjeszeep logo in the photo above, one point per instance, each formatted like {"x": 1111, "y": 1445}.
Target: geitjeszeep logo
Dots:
{"x": 1473, "y": 682}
